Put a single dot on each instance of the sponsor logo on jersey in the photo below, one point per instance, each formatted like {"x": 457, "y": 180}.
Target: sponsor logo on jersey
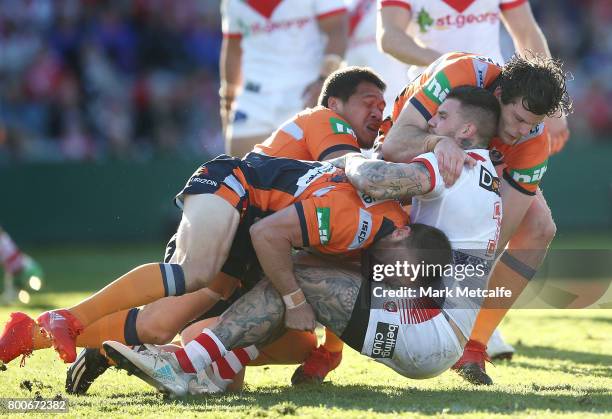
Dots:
{"x": 311, "y": 175}
{"x": 531, "y": 175}
{"x": 424, "y": 20}
{"x": 205, "y": 181}
{"x": 535, "y": 131}
{"x": 368, "y": 201}
{"x": 488, "y": 181}
{"x": 385, "y": 340}
{"x": 323, "y": 221}
{"x": 339, "y": 126}
{"x": 390, "y": 306}
{"x": 480, "y": 70}
{"x": 364, "y": 229}
{"x": 460, "y": 20}
{"x": 270, "y": 26}
{"x": 438, "y": 87}
{"x": 497, "y": 157}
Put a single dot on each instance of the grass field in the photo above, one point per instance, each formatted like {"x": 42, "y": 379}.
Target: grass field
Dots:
{"x": 563, "y": 367}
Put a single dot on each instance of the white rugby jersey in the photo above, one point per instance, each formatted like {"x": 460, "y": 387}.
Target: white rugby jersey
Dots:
{"x": 362, "y": 50}
{"x": 407, "y": 334}
{"x": 456, "y": 25}
{"x": 474, "y": 199}
{"x": 282, "y": 46}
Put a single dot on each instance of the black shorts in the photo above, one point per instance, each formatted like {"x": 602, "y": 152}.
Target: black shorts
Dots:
{"x": 355, "y": 331}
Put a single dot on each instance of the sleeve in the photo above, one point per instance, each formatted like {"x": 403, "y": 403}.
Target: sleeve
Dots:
{"x": 335, "y": 223}
{"x": 527, "y": 161}
{"x": 447, "y": 72}
{"x": 229, "y": 19}
{"x": 328, "y": 133}
{"x": 397, "y": 3}
{"x": 327, "y": 8}
{"x": 430, "y": 161}
{"x": 510, "y": 4}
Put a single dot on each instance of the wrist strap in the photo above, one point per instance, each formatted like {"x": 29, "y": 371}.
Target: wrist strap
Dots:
{"x": 294, "y": 299}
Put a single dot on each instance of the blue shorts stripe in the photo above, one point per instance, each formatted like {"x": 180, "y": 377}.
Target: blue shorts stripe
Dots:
{"x": 179, "y": 279}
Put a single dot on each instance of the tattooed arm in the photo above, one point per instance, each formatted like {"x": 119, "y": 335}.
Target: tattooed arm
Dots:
{"x": 257, "y": 317}
{"x": 386, "y": 180}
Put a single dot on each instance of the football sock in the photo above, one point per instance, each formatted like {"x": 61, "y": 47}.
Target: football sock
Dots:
{"x": 138, "y": 287}
{"x": 332, "y": 342}
{"x": 10, "y": 255}
{"x": 119, "y": 326}
{"x": 512, "y": 274}
{"x": 235, "y": 360}
{"x": 201, "y": 352}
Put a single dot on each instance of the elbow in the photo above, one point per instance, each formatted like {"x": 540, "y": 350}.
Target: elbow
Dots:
{"x": 383, "y": 41}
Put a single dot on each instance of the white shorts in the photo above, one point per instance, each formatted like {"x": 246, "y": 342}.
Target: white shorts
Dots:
{"x": 261, "y": 113}
{"x": 417, "y": 350}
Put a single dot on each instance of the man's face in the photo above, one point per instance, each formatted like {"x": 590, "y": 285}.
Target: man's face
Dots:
{"x": 363, "y": 111}
{"x": 447, "y": 121}
{"x": 516, "y": 121}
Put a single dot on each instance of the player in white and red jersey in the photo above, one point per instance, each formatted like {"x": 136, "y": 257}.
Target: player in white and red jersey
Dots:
{"x": 363, "y": 51}
{"x": 417, "y": 32}
{"x": 275, "y": 56}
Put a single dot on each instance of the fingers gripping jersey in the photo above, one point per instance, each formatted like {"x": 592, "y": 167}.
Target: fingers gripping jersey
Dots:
{"x": 311, "y": 135}
{"x": 523, "y": 163}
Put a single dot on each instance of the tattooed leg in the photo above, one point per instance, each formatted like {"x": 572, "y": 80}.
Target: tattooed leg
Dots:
{"x": 257, "y": 317}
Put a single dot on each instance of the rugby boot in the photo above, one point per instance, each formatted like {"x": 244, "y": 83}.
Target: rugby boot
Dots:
{"x": 471, "y": 365}
{"x": 89, "y": 365}
{"x": 62, "y": 327}
{"x": 16, "y": 339}
{"x": 316, "y": 367}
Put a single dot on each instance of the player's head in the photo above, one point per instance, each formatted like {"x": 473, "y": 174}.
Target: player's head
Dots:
{"x": 356, "y": 94}
{"x": 415, "y": 244}
{"x": 469, "y": 114}
{"x": 530, "y": 88}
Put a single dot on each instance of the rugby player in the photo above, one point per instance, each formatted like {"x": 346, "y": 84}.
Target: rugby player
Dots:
{"x": 347, "y": 120}
{"x": 528, "y": 89}
{"x": 417, "y": 32}
{"x": 21, "y": 272}
{"x": 421, "y": 339}
{"x": 274, "y": 59}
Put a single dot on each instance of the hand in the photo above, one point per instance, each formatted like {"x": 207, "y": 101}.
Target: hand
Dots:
{"x": 300, "y": 318}
{"x": 339, "y": 162}
{"x": 311, "y": 93}
{"x": 451, "y": 159}
{"x": 558, "y": 133}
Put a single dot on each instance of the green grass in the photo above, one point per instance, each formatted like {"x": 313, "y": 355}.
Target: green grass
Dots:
{"x": 563, "y": 367}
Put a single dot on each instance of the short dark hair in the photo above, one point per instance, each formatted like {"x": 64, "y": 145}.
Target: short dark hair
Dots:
{"x": 538, "y": 81}
{"x": 426, "y": 245}
{"x": 480, "y": 106}
{"x": 342, "y": 83}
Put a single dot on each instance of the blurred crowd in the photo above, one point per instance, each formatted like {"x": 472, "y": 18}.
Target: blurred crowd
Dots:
{"x": 132, "y": 79}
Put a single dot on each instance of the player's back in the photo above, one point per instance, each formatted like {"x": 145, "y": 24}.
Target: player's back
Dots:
{"x": 311, "y": 134}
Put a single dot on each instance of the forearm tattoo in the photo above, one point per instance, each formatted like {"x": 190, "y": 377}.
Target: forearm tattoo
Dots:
{"x": 384, "y": 180}
{"x": 257, "y": 317}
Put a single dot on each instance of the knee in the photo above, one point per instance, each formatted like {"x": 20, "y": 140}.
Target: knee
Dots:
{"x": 539, "y": 227}
{"x": 154, "y": 332}
{"x": 198, "y": 274}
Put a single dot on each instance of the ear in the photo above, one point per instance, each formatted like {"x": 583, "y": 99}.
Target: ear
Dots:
{"x": 469, "y": 130}
{"x": 401, "y": 233}
{"x": 334, "y": 103}
{"x": 497, "y": 92}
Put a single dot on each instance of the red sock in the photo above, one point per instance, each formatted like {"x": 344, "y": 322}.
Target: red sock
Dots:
{"x": 232, "y": 363}
{"x": 201, "y": 352}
